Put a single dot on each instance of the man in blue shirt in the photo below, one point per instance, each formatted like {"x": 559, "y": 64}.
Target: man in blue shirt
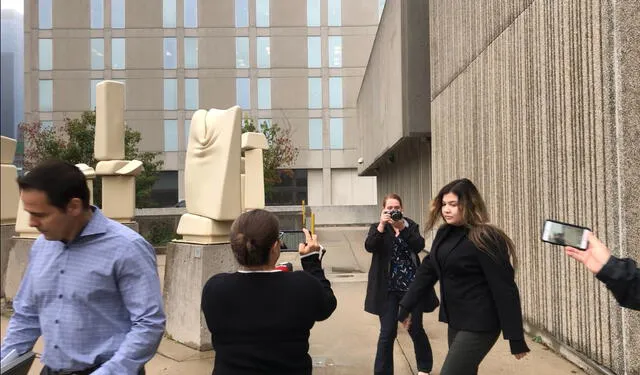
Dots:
{"x": 91, "y": 288}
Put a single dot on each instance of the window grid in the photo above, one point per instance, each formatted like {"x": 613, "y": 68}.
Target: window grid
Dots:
{"x": 262, "y": 13}
{"x": 314, "y": 52}
{"x": 118, "y": 51}
{"x": 264, "y": 93}
{"x": 45, "y": 95}
{"x": 45, "y": 14}
{"x": 170, "y": 94}
{"x": 335, "y": 51}
{"x": 45, "y": 54}
{"x": 46, "y": 125}
{"x": 169, "y": 14}
{"x": 264, "y": 51}
{"x": 97, "y": 14}
{"x": 170, "y": 135}
{"x": 187, "y": 129}
{"x": 335, "y": 13}
{"x": 190, "y": 13}
{"x": 191, "y": 93}
{"x": 336, "y": 134}
{"x": 191, "y": 53}
{"x": 315, "y": 134}
{"x": 242, "y": 13}
{"x": 117, "y": 14}
{"x": 97, "y": 54}
{"x": 313, "y": 13}
{"x": 170, "y": 51}
{"x": 242, "y": 52}
{"x": 335, "y": 92}
{"x": 92, "y": 90}
{"x": 315, "y": 93}
{"x": 243, "y": 93}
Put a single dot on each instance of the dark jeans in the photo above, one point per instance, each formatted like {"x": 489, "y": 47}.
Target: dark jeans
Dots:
{"x": 466, "y": 351}
{"x": 49, "y": 371}
{"x": 388, "y": 331}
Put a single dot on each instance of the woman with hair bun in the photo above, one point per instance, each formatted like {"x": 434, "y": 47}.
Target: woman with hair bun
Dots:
{"x": 260, "y": 317}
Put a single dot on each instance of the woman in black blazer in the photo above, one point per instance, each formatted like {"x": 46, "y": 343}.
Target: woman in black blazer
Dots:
{"x": 472, "y": 261}
{"x": 395, "y": 245}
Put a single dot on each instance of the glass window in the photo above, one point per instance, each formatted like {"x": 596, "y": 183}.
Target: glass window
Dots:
{"x": 187, "y": 129}
{"x": 46, "y": 125}
{"x": 242, "y": 13}
{"x": 315, "y": 134}
{"x": 45, "y": 95}
{"x": 191, "y": 53}
{"x": 264, "y": 51}
{"x": 94, "y": 82}
{"x": 45, "y": 54}
{"x": 45, "y": 14}
{"x": 190, "y": 13}
{"x": 262, "y": 13}
{"x": 381, "y": 4}
{"x": 335, "y": 134}
{"x": 264, "y": 121}
{"x": 335, "y": 92}
{"x": 315, "y": 93}
{"x": 97, "y": 54}
{"x": 170, "y": 53}
{"x": 242, "y": 52}
{"x": 117, "y": 14}
{"x": 264, "y": 93}
{"x": 171, "y": 135}
{"x": 313, "y": 12}
{"x": 169, "y": 14}
{"x": 335, "y": 51}
{"x": 243, "y": 93}
{"x": 170, "y": 94}
{"x": 335, "y": 13}
{"x": 118, "y": 53}
{"x": 97, "y": 14}
{"x": 191, "y": 93}
{"x": 314, "y": 52}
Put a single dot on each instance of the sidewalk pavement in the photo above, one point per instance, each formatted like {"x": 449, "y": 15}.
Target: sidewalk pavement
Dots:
{"x": 346, "y": 342}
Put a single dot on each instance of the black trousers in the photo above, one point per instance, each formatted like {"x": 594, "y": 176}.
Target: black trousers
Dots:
{"x": 388, "y": 332}
{"x": 466, "y": 351}
{"x": 49, "y": 371}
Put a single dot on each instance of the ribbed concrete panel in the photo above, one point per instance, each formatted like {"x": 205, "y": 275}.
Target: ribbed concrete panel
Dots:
{"x": 545, "y": 120}
{"x": 461, "y": 30}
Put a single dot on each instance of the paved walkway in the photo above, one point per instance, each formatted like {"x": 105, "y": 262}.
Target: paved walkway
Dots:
{"x": 346, "y": 342}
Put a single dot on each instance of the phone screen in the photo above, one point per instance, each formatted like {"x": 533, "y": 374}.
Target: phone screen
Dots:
{"x": 564, "y": 234}
{"x": 290, "y": 239}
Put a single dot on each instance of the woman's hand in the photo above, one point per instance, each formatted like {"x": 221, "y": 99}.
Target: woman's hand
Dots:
{"x": 520, "y": 355}
{"x": 385, "y": 218}
{"x": 311, "y": 243}
{"x": 407, "y": 322}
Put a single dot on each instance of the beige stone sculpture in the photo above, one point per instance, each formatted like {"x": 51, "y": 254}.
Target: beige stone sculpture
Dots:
{"x": 8, "y": 185}
{"x": 212, "y": 176}
{"x": 118, "y": 176}
{"x": 90, "y": 175}
{"x": 252, "y": 178}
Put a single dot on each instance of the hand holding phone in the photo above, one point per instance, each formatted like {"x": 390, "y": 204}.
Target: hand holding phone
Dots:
{"x": 563, "y": 234}
{"x": 594, "y": 257}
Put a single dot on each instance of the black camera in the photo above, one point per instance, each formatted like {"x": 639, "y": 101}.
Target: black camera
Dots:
{"x": 395, "y": 215}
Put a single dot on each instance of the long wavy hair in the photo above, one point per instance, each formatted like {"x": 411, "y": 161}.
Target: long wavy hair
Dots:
{"x": 486, "y": 237}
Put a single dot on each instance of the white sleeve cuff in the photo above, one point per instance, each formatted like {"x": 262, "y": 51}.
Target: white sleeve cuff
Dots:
{"x": 319, "y": 253}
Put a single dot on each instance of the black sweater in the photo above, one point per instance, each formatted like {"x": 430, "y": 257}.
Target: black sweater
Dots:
{"x": 622, "y": 277}
{"x": 260, "y": 322}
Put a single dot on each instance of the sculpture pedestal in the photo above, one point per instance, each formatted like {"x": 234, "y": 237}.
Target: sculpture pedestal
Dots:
{"x": 7, "y": 231}
{"x": 188, "y": 267}
{"x": 17, "y": 265}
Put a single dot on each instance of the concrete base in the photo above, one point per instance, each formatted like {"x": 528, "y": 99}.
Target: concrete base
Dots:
{"x": 132, "y": 225}
{"x": 7, "y": 231}
{"x": 17, "y": 265}
{"x": 188, "y": 267}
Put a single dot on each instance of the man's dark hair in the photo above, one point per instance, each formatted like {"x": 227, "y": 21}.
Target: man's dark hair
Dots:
{"x": 59, "y": 180}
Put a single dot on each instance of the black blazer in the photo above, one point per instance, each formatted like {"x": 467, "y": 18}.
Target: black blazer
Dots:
{"x": 478, "y": 292}
{"x": 380, "y": 245}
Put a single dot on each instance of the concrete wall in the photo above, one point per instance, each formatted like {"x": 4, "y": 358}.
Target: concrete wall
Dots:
{"x": 392, "y": 103}
{"x": 538, "y": 103}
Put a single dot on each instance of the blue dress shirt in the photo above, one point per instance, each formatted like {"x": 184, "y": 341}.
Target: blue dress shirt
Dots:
{"x": 94, "y": 300}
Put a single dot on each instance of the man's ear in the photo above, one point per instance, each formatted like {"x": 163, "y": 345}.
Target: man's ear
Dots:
{"x": 75, "y": 207}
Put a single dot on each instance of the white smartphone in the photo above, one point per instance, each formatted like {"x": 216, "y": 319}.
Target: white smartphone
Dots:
{"x": 559, "y": 233}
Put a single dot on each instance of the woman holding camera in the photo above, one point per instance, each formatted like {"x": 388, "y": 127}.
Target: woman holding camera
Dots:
{"x": 472, "y": 260}
{"x": 260, "y": 317}
{"x": 395, "y": 242}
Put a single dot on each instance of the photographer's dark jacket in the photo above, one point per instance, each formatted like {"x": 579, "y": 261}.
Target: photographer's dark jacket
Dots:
{"x": 260, "y": 321}
{"x": 622, "y": 278}
{"x": 478, "y": 293}
{"x": 381, "y": 246}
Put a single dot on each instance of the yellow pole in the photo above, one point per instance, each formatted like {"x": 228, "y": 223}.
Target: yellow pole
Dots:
{"x": 304, "y": 222}
{"x": 313, "y": 223}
